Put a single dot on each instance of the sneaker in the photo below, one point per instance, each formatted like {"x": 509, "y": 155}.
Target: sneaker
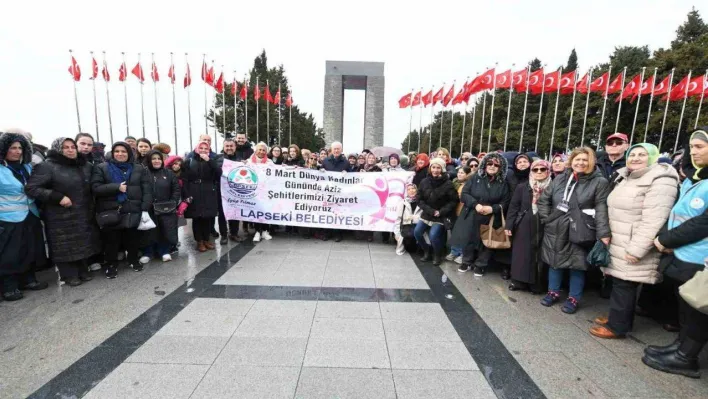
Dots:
{"x": 73, "y": 281}
{"x": 15, "y": 295}
{"x": 224, "y": 240}
{"x": 166, "y": 258}
{"x": 479, "y": 271}
{"x": 121, "y": 255}
{"x": 257, "y": 237}
{"x": 550, "y": 298}
{"x": 94, "y": 267}
{"x": 570, "y": 306}
{"x": 464, "y": 268}
{"x": 266, "y": 236}
{"x": 458, "y": 260}
{"x": 144, "y": 260}
{"x": 111, "y": 272}
{"x": 137, "y": 268}
{"x": 450, "y": 257}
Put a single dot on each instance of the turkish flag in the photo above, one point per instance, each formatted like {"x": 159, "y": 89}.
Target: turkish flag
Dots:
{"x": 94, "y": 67}
{"x": 75, "y": 70}
{"x": 205, "y": 72}
{"x": 171, "y": 73}
{"x": 631, "y": 88}
{"x": 582, "y": 86}
{"x": 678, "y": 92}
{"x": 428, "y": 98}
{"x": 616, "y": 85}
{"x": 448, "y": 97}
{"x": 645, "y": 90}
{"x": 535, "y": 82}
{"x": 503, "y": 80}
{"x": 289, "y": 100}
{"x": 104, "y": 72}
{"x": 405, "y": 101}
{"x": 211, "y": 76}
{"x": 599, "y": 85}
{"x": 438, "y": 97}
{"x": 266, "y": 94}
{"x": 276, "y": 99}
{"x": 154, "y": 74}
{"x": 234, "y": 88}
{"x": 551, "y": 82}
{"x": 244, "y": 91}
{"x": 187, "y": 77}
{"x": 416, "y": 99}
{"x": 256, "y": 93}
{"x": 138, "y": 72}
{"x": 484, "y": 81}
{"x": 219, "y": 85}
{"x": 567, "y": 82}
{"x": 697, "y": 86}
{"x": 519, "y": 81}
{"x": 663, "y": 87}
{"x": 460, "y": 97}
{"x": 122, "y": 72}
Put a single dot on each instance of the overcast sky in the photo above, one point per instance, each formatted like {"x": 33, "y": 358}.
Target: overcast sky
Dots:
{"x": 422, "y": 44}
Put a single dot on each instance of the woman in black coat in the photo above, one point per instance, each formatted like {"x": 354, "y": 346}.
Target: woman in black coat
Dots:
{"x": 62, "y": 184}
{"x": 422, "y": 163}
{"x": 121, "y": 185}
{"x": 166, "y": 196}
{"x": 526, "y": 230}
{"x": 483, "y": 196}
{"x": 520, "y": 172}
{"x": 438, "y": 199}
{"x": 202, "y": 175}
{"x": 294, "y": 157}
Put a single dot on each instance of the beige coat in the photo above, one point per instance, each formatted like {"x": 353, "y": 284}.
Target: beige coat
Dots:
{"x": 639, "y": 205}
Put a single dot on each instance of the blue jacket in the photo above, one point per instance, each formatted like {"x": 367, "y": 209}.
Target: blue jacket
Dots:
{"x": 338, "y": 164}
{"x": 15, "y": 205}
{"x": 692, "y": 204}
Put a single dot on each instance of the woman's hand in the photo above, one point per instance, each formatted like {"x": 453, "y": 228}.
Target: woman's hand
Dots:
{"x": 478, "y": 208}
{"x": 489, "y": 210}
{"x": 662, "y": 248}
{"x": 630, "y": 258}
{"x": 436, "y": 213}
{"x": 605, "y": 240}
{"x": 65, "y": 202}
{"x": 204, "y": 157}
{"x": 508, "y": 232}
{"x": 123, "y": 187}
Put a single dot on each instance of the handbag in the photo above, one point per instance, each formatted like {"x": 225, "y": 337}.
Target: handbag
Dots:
{"x": 109, "y": 219}
{"x": 582, "y": 227}
{"x": 494, "y": 238}
{"x": 599, "y": 256}
{"x": 406, "y": 229}
{"x": 695, "y": 291}
{"x": 164, "y": 207}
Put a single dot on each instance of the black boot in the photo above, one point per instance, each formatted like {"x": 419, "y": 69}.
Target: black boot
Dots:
{"x": 426, "y": 254}
{"x": 506, "y": 274}
{"x": 683, "y": 361}
{"x": 437, "y": 259}
{"x": 656, "y": 350}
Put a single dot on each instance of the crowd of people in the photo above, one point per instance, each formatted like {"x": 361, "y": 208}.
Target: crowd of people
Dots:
{"x": 628, "y": 218}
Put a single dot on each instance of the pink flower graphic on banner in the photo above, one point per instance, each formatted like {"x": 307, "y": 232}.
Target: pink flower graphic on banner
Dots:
{"x": 381, "y": 189}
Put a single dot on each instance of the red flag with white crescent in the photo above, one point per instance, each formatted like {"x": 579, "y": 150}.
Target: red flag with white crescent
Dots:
{"x": 438, "y": 97}
{"x": 663, "y": 87}
{"x": 582, "y": 86}
{"x": 94, "y": 67}
{"x": 416, "y": 99}
{"x": 503, "y": 80}
{"x": 187, "y": 77}
{"x": 599, "y": 85}
{"x": 171, "y": 73}
{"x": 616, "y": 85}
{"x": 105, "y": 73}
{"x": 244, "y": 91}
{"x": 138, "y": 72}
{"x": 122, "y": 72}
{"x": 519, "y": 81}
{"x": 75, "y": 70}
{"x": 428, "y": 98}
{"x": 405, "y": 101}
{"x": 289, "y": 100}
{"x": 567, "y": 82}
{"x": 449, "y": 96}
{"x": 154, "y": 74}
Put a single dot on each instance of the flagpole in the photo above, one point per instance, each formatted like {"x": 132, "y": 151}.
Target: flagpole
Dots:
{"x": 76, "y": 96}
{"x": 604, "y": 106}
{"x": 206, "y": 73}
{"x": 245, "y": 106}
{"x": 526, "y": 99}
{"x": 508, "y": 106}
{"x": 420, "y": 120}
{"x": 636, "y": 110}
{"x": 540, "y": 109}
{"x": 651, "y": 101}
{"x": 572, "y": 108}
{"x": 452, "y": 117}
{"x": 189, "y": 102}
{"x": 268, "y": 114}
{"x": 223, "y": 122}
{"x": 410, "y": 126}
{"x": 683, "y": 108}
{"x": 481, "y": 127}
{"x": 213, "y": 106}
{"x": 157, "y": 115}
{"x": 174, "y": 102}
{"x": 235, "y": 88}
{"x": 95, "y": 106}
{"x": 555, "y": 113}
{"x": 442, "y": 116}
{"x": 125, "y": 95}
{"x": 430, "y": 125}
{"x": 619, "y": 107}
{"x": 142, "y": 98}
{"x": 279, "y": 132}
{"x": 290, "y": 120}
{"x": 587, "y": 103}
{"x": 259, "y": 96}
{"x": 491, "y": 112}
{"x": 666, "y": 107}
{"x": 464, "y": 121}
{"x": 108, "y": 100}
{"x": 700, "y": 102}
{"x": 474, "y": 115}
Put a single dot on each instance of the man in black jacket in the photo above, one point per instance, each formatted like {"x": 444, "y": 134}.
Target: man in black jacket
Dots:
{"x": 243, "y": 149}
{"x": 612, "y": 159}
{"x": 230, "y": 229}
{"x": 336, "y": 162}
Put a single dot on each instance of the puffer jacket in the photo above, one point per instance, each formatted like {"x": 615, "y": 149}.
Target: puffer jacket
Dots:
{"x": 591, "y": 193}
{"x": 437, "y": 194}
{"x": 639, "y": 205}
{"x": 139, "y": 193}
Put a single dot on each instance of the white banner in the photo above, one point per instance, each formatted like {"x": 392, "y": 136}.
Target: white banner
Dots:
{"x": 285, "y": 195}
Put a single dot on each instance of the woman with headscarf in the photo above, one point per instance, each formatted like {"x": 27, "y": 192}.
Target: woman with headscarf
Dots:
{"x": 202, "y": 175}
{"x": 259, "y": 158}
{"x": 371, "y": 164}
{"x": 684, "y": 240}
{"x": 407, "y": 214}
{"x": 639, "y": 206}
{"x": 422, "y": 163}
{"x": 394, "y": 163}
{"x": 526, "y": 230}
{"x": 276, "y": 155}
{"x": 166, "y": 196}
{"x": 361, "y": 162}
{"x": 579, "y": 193}
{"x": 352, "y": 162}
{"x": 559, "y": 164}
{"x": 143, "y": 148}
{"x": 437, "y": 198}
{"x": 62, "y": 185}
{"x": 520, "y": 172}
{"x": 123, "y": 186}
{"x": 483, "y": 196}
{"x": 21, "y": 239}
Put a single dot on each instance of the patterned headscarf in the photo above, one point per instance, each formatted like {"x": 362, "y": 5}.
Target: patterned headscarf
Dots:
{"x": 537, "y": 186}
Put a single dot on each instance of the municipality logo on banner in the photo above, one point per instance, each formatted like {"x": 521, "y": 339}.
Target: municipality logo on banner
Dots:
{"x": 243, "y": 182}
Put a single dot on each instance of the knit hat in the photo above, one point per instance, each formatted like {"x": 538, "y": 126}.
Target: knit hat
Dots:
{"x": 651, "y": 149}
{"x": 439, "y": 162}
{"x": 395, "y": 156}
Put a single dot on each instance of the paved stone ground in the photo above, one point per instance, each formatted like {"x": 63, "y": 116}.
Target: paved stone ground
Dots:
{"x": 310, "y": 319}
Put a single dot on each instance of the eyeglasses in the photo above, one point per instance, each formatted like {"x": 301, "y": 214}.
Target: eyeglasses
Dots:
{"x": 496, "y": 165}
{"x": 539, "y": 170}
{"x": 613, "y": 143}
{"x": 474, "y": 165}
{"x": 465, "y": 158}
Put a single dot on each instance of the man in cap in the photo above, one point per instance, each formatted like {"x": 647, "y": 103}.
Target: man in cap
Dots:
{"x": 612, "y": 159}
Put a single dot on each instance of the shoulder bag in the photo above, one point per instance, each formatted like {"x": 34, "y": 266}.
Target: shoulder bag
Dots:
{"x": 162, "y": 207}
{"x": 494, "y": 238}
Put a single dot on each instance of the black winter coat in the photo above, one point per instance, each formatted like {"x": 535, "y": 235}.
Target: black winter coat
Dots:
{"x": 451, "y": 171}
{"x": 201, "y": 183}
{"x": 527, "y": 231}
{"x": 139, "y": 193}
{"x": 336, "y": 164}
{"x": 479, "y": 190}
{"x": 72, "y": 232}
{"x": 294, "y": 162}
{"x": 419, "y": 176}
{"x": 591, "y": 193}
{"x": 165, "y": 187}
{"x": 607, "y": 167}
{"x": 243, "y": 152}
{"x": 517, "y": 177}
{"x": 437, "y": 194}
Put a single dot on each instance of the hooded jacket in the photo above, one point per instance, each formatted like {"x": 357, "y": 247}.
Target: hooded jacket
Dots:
{"x": 15, "y": 205}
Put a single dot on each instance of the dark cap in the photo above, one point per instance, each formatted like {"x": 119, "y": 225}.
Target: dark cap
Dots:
{"x": 620, "y": 136}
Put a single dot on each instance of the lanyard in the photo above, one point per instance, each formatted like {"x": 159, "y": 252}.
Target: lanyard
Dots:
{"x": 567, "y": 194}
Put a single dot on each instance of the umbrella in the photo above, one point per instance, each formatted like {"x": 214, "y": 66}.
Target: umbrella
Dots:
{"x": 385, "y": 152}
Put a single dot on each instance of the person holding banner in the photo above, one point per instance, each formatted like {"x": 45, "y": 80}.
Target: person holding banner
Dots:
{"x": 438, "y": 200}
{"x": 336, "y": 162}
{"x": 202, "y": 174}
{"x": 228, "y": 230}
{"x": 260, "y": 156}
{"x": 294, "y": 158}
